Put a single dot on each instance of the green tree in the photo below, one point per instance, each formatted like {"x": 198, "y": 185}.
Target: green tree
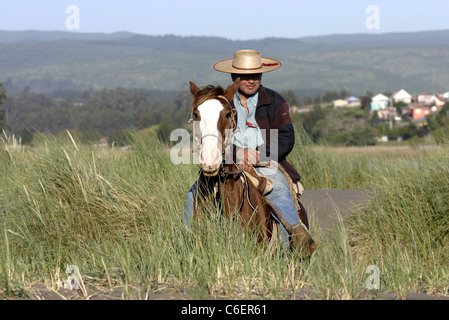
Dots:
{"x": 3, "y": 125}
{"x": 366, "y": 102}
{"x": 443, "y": 115}
{"x": 406, "y": 132}
{"x": 291, "y": 98}
{"x": 375, "y": 121}
{"x": 330, "y": 96}
{"x": 26, "y": 136}
{"x": 312, "y": 119}
{"x": 164, "y": 130}
{"x": 399, "y": 105}
{"x": 360, "y": 135}
{"x": 120, "y": 138}
{"x": 344, "y": 94}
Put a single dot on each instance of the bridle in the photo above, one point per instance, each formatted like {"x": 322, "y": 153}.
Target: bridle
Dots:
{"x": 209, "y": 135}
{"x": 227, "y": 143}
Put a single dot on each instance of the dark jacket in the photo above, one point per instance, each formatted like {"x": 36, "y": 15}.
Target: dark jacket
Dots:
{"x": 272, "y": 112}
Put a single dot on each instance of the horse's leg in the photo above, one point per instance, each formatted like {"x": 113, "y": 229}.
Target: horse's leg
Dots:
{"x": 232, "y": 197}
{"x": 245, "y": 201}
{"x": 261, "y": 212}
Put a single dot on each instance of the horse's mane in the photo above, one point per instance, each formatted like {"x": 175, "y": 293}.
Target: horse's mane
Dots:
{"x": 207, "y": 93}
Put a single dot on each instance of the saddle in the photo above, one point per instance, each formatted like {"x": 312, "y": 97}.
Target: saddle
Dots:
{"x": 264, "y": 185}
{"x": 260, "y": 182}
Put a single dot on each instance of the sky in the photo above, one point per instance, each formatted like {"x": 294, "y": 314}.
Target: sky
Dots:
{"x": 237, "y": 20}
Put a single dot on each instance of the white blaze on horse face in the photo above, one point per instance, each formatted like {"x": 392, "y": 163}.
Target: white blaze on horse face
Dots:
{"x": 210, "y": 155}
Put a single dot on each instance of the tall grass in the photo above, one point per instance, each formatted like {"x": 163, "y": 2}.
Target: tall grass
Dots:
{"x": 116, "y": 214}
{"x": 405, "y": 230}
{"x": 320, "y": 168}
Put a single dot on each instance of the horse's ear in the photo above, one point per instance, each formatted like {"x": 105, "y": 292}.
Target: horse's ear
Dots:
{"x": 193, "y": 88}
{"x": 232, "y": 89}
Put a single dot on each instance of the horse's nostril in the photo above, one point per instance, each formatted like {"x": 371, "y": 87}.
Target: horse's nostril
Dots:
{"x": 210, "y": 167}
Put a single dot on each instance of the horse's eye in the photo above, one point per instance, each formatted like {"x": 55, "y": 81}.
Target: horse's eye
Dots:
{"x": 228, "y": 115}
{"x": 195, "y": 116}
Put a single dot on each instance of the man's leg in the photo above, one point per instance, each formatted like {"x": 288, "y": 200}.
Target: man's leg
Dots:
{"x": 281, "y": 199}
{"x": 188, "y": 208}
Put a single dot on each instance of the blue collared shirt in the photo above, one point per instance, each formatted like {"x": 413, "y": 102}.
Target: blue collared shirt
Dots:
{"x": 247, "y": 136}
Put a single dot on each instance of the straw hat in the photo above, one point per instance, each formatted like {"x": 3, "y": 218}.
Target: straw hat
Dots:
{"x": 247, "y": 62}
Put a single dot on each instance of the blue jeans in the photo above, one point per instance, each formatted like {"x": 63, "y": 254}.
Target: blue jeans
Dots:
{"x": 280, "y": 197}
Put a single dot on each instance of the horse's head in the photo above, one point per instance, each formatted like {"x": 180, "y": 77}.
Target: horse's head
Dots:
{"x": 212, "y": 115}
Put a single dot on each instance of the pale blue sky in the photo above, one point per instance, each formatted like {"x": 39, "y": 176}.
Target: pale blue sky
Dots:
{"x": 228, "y": 18}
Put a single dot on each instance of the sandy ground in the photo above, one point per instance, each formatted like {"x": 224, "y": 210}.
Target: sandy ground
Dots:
{"x": 325, "y": 208}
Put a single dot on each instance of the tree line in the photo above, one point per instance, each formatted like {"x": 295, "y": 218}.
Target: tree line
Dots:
{"x": 114, "y": 112}
{"x": 94, "y": 114}
{"x": 360, "y": 127}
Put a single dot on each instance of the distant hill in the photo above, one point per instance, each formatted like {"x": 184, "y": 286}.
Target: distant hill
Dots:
{"x": 40, "y": 36}
{"x": 49, "y": 61}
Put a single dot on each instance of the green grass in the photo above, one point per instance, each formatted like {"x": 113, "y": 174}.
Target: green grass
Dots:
{"x": 406, "y": 228}
{"x": 116, "y": 214}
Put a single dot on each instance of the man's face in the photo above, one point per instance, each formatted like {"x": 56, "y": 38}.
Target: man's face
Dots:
{"x": 249, "y": 83}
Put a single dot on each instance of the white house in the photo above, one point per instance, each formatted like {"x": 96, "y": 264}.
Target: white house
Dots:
{"x": 402, "y": 96}
{"x": 339, "y": 103}
{"x": 428, "y": 99}
{"x": 346, "y": 103}
{"x": 379, "y": 102}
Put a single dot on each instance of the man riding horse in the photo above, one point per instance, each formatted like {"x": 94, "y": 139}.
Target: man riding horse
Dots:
{"x": 264, "y": 132}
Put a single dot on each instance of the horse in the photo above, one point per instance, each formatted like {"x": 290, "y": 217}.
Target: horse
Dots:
{"x": 222, "y": 183}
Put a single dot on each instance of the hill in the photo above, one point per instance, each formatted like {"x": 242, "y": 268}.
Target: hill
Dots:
{"x": 49, "y": 61}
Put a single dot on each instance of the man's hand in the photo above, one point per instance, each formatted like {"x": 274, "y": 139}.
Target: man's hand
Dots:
{"x": 246, "y": 158}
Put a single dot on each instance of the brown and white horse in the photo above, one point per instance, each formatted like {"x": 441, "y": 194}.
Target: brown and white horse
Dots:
{"x": 221, "y": 182}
